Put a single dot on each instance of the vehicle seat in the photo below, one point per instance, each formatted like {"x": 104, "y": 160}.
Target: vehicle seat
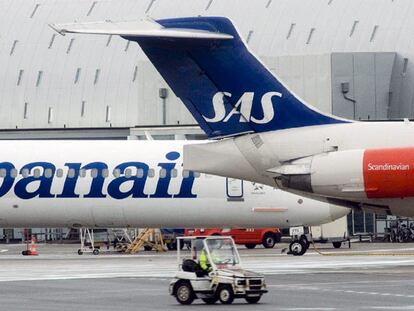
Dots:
{"x": 190, "y": 265}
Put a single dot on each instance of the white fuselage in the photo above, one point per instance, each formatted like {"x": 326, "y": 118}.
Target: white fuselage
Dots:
{"x": 341, "y": 162}
{"x": 135, "y": 184}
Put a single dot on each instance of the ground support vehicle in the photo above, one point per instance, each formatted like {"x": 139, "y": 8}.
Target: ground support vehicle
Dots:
{"x": 250, "y": 237}
{"x": 225, "y": 279}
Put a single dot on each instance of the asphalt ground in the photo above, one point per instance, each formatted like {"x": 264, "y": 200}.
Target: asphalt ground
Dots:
{"x": 59, "y": 279}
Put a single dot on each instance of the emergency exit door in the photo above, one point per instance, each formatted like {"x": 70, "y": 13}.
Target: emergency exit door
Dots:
{"x": 234, "y": 189}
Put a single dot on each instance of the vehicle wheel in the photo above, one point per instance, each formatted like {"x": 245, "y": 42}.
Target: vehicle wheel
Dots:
{"x": 210, "y": 301}
{"x": 337, "y": 244}
{"x": 269, "y": 240}
{"x": 147, "y": 248}
{"x": 297, "y": 248}
{"x": 254, "y": 299}
{"x": 250, "y": 246}
{"x": 171, "y": 246}
{"x": 225, "y": 294}
{"x": 80, "y": 252}
{"x": 96, "y": 251}
{"x": 184, "y": 293}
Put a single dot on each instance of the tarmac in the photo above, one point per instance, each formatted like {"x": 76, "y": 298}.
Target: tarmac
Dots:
{"x": 366, "y": 277}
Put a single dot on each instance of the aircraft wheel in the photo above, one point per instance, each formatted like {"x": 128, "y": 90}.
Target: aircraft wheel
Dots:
{"x": 305, "y": 240}
{"x": 250, "y": 246}
{"x": 147, "y": 248}
{"x": 80, "y": 252}
{"x": 184, "y": 293}
{"x": 210, "y": 301}
{"x": 297, "y": 248}
{"x": 337, "y": 244}
{"x": 96, "y": 251}
{"x": 269, "y": 240}
{"x": 225, "y": 294}
{"x": 253, "y": 299}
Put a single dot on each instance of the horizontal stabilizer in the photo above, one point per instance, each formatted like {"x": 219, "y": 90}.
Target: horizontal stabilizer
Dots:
{"x": 137, "y": 28}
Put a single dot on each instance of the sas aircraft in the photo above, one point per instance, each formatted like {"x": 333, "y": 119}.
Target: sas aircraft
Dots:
{"x": 135, "y": 184}
{"x": 264, "y": 132}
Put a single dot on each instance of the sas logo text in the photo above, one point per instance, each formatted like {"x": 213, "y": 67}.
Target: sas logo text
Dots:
{"x": 243, "y": 108}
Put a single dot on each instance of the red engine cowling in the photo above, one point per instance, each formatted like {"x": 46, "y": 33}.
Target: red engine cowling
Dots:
{"x": 370, "y": 173}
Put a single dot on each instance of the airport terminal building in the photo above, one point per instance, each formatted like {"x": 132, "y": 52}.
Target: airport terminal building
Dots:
{"x": 350, "y": 58}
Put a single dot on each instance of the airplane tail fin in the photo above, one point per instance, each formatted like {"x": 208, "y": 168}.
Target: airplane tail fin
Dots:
{"x": 209, "y": 67}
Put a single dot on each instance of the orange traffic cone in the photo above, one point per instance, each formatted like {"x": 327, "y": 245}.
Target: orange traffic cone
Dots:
{"x": 31, "y": 248}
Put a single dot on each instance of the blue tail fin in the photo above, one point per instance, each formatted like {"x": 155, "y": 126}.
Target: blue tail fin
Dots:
{"x": 225, "y": 87}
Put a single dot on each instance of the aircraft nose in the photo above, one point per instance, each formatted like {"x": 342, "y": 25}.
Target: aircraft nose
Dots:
{"x": 338, "y": 211}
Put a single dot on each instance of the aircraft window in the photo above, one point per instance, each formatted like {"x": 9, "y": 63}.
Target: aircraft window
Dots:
{"x": 151, "y": 173}
{"x": 91, "y": 8}
{"x": 140, "y": 173}
{"x": 83, "y": 108}
{"x": 13, "y": 173}
{"x": 128, "y": 172}
{"x": 25, "y": 172}
{"x": 59, "y": 173}
{"x": 134, "y": 77}
{"x": 196, "y": 174}
{"x": 94, "y": 173}
{"x": 163, "y": 173}
{"x": 71, "y": 173}
{"x": 105, "y": 173}
{"x": 36, "y": 173}
{"x": 174, "y": 173}
{"x": 25, "y": 111}
{"x": 117, "y": 172}
{"x": 82, "y": 173}
{"x": 3, "y": 172}
{"x": 48, "y": 172}
{"x": 186, "y": 173}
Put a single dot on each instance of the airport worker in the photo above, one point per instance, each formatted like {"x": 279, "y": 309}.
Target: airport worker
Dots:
{"x": 204, "y": 262}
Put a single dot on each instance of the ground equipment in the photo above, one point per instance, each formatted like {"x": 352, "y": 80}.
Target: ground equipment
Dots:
{"x": 211, "y": 270}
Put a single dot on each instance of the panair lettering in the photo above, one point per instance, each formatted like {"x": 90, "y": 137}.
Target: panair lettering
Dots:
{"x": 8, "y": 180}
{"x": 134, "y": 183}
{"x": 164, "y": 181}
{"x": 42, "y": 184}
{"x": 42, "y": 179}
{"x": 243, "y": 108}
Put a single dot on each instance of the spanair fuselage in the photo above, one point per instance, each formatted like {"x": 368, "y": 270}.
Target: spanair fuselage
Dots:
{"x": 135, "y": 184}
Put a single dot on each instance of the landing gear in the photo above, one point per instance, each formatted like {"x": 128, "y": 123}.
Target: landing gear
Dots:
{"x": 298, "y": 247}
